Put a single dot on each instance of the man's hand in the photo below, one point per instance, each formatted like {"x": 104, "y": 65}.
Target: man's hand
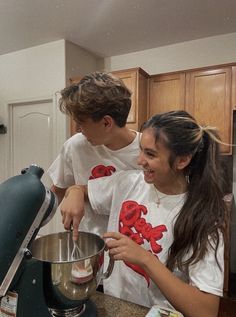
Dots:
{"x": 72, "y": 208}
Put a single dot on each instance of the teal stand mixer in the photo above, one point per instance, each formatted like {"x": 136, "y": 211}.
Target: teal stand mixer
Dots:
{"x": 27, "y": 288}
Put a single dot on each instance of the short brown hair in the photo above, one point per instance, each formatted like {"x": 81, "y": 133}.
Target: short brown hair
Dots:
{"x": 96, "y": 95}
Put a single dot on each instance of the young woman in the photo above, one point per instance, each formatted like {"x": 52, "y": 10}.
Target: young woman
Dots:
{"x": 166, "y": 223}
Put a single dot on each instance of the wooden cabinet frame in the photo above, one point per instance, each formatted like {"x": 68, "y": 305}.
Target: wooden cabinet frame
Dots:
{"x": 166, "y": 93}
{"x": 136, "y": 79}
{"x": 180, "y": 90}
{"x": 208, "y": 93}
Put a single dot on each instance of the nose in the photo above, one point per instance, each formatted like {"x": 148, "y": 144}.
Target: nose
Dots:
{"x": 141, "y": 159}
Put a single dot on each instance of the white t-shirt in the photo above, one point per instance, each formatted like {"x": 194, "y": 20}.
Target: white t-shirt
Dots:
{"x": 79, "y": 161}
{"x": 133, "y": 209}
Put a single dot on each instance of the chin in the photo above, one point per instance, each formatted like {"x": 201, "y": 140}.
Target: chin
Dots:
{"x": 148, "y": 180}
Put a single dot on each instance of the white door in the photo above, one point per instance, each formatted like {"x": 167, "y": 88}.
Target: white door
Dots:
{"x": 32, "y": 142}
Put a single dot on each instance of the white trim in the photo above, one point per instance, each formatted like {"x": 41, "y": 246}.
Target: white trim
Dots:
{"x": 9, "y": 144}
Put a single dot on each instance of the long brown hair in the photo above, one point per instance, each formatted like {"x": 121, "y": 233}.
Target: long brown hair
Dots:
{"x": 202, "y": 217}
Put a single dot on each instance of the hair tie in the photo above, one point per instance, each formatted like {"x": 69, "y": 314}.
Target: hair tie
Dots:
{"x": 201, "y": 128}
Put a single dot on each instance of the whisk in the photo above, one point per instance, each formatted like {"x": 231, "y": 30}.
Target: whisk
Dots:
{"x": 76, "y": 253}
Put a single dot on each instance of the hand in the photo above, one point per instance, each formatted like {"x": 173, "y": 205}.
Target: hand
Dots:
{"x": 123, "y": 248}
{"x": 72, "y": 208}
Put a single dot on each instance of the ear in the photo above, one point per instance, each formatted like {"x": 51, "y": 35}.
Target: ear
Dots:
{"x": 108, "y": 121}
{"x": 182, "y": 161}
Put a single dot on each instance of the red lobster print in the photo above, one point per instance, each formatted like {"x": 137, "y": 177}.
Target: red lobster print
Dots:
{"x": 133, "y": 225}
{"x": 102, "y": 170}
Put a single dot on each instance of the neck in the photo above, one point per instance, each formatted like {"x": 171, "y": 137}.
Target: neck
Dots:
{"x": 120, "y": 138}
{"x": 176, "y": 187}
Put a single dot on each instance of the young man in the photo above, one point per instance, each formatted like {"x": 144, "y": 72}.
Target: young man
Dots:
{"x": 100, "y": 104}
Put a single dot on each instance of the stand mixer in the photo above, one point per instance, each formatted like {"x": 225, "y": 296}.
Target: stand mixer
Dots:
{"x": 35, "y": 274}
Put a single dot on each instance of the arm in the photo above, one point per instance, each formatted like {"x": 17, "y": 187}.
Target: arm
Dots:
{"x": 186, "y": 298}
{"x": 72, "y": 207}
{"x": 59, "y": 192}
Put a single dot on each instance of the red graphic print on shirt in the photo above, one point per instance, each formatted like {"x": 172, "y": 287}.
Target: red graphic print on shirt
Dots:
{"x": 133, "y": 225}
{"x": 102, "y": 170}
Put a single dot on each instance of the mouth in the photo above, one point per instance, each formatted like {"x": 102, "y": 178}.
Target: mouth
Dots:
{"x": 148, "y": 172}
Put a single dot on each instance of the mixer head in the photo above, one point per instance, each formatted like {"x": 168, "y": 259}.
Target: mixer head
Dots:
{"x": 25, "y": 206}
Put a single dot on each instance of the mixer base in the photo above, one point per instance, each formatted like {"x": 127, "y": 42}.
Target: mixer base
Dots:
{"x": 31, "y": 297}
{"x": 90, "y": 310}
{"x": 87, "y": 310}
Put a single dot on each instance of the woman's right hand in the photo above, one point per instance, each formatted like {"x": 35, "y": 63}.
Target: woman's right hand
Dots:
{"x": 122, "y": 247}
{"x": 72, "y": 208}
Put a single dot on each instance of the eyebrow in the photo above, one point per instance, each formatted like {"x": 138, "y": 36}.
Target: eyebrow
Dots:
{"x": 148, "y": 149}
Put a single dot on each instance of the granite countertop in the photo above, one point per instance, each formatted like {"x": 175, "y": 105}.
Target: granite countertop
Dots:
{"x": 108, "y": 306}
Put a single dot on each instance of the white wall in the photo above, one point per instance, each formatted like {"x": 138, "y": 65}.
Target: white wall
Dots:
{"x": 3, "y": 141}
{"x": 31, "y": 74}
{"x": 186, "y": 55}
{"x": 39, "y": 73}
{"x": 80, "y": 62}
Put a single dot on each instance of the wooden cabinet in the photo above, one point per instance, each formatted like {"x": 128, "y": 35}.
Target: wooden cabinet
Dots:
{"x": 208, "y": 94}
{"x": 136, "y": 79}
{"x": 208, "y": 99}
{"x": 234, "y": 87}
{"x": 166, "y": 93}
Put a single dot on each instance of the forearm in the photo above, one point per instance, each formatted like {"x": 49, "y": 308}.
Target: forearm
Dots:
{"x": 72, "y": 207}
{"x": 80, "y": 188}
{"x": 188, "y": 299}
{"x": 59, "y": 192}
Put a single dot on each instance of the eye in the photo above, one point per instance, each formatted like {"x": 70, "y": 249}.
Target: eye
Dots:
{"x": 150, "y": 154}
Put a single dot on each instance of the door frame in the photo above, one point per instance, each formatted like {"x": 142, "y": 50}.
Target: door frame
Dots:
{"x": 9, "y": 150}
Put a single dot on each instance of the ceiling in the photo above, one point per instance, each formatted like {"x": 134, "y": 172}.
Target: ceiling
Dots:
{"x": 112, "y": 27}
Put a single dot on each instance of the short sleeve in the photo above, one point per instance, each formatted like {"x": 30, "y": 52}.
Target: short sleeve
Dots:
{"x": 206, "y": 274}
{"x": 61, "y": 171}
{"x": 100, "y": 193}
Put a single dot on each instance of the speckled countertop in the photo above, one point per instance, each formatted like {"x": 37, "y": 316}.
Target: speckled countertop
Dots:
{"x": 108, "y": 306}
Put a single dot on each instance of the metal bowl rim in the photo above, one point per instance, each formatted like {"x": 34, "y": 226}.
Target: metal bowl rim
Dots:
{"x": 69, "y": 261}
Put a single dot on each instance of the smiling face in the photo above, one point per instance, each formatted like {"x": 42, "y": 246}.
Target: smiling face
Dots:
{"x": 154, "y": 157}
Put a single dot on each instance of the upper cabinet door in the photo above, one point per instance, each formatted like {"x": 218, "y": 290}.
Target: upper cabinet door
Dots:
{"x": 166, "y": 93}
{"x": 234, "y": 87}
{"x": 129, "y": 78}
{"x": 136, "y": 79}
{"x": 208, "y": 99}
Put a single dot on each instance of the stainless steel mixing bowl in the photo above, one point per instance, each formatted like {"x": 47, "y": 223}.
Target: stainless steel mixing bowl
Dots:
{"x": 70, "y": 281}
